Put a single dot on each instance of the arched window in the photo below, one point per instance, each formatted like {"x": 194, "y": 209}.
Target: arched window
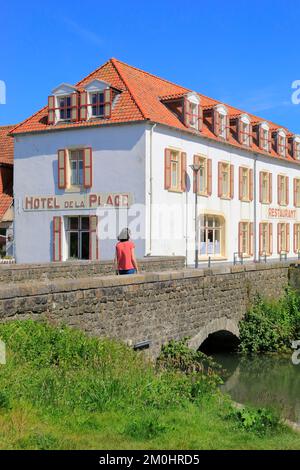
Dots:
{"x": 212, "y": 235}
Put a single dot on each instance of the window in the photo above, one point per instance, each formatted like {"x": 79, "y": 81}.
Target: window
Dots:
{"x": 204, "y": 177}
{"x": 64, "y": 107}
{"x": 97, "y": 104}
{"x": 264, "y": 139}
{"x": 194, "y": 115}
{"x": 283, "y": 238}
{"x": 245, "y": 184}
{"x": 297, "y": 192}
{"x": 281, "y": 144}
{"x": 192, "y": 111}
{"x": 76, "y": 167}
{"x": 283, "y": 190}
{"x": 212, "y": 236}
{"x": 78, "y": 236}
{"x": 223, "y": 122}
{"x": 225, "y": 180}
{"x": 220, "y": 121}
{"x": 245, "y": 238}
{"x": 265, "y": 182}
{"x": 175, "y": 170}
{"x": 244, "y": 130}
{"x": 296, "y": 150}
{"x": 296, "y": 238}
{"x": 2, "y": 242}
{"x": 265, "y": 239}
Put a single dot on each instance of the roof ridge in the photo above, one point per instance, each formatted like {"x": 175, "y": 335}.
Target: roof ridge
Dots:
{"x": 136, "y": 101}
{"x": 92, "y": 73}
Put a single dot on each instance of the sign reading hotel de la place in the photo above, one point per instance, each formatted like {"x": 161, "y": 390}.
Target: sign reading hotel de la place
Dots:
{"x": 77, "y": 201}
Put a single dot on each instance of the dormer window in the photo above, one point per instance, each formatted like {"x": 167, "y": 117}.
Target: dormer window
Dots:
{"x": 281, "y": 142}
{"x": 244, "y": 130}
{"x": 64, "y": 107}
{"x": 63, "y": 104}
{"x": 220, "y": 121}
{"x": 296, "y": 147}
{"x": 192, "y": 111}
{"x": 264, "y": 131}
{"x": 97, "y": 104}
{"x": 96, "y": 100}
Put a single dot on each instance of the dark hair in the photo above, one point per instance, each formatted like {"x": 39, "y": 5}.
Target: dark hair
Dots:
{"x": 124, "y": 235}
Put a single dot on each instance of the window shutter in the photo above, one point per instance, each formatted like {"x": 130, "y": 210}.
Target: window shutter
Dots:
{"x": 196, "y": 174}
{"x": 239, "y": 130}
{"x": 167, "y": 168}
{"x": 56, "y": 239}
{"x": 87, "y": 168}
{"x": 62, "y": 168}
{"x": 270, "y": 238}
{"x": 107, "y": 102}
{"x": 251, "y": 184}
{"x": 216, "y": 122}
{"x": 240, "y": 183}
{"x": 183, "y": 171}
{"x": 227, "y": 127}
{"x": 186, "y": 112}
{"x": 260, "y": 238}
{"x": 250, "y": 135}
{"x": 295, "y": 191}
{"x": 231, "y": 181}
{"x": 288, "y": 238}
{"x": 94, "y": 241}
{"x": 270, "y": 188}
{"x": 240, "y": 238}
{"x": 83, "y": 106}
{"x": 51, "y": 109}
{"x": 74, "y": 106}
{"x": 287, "y": 189}
{"x": 200, "y": 117}
{"x": 251, "y": 239}
{"x": 295, "y": 238}
{"x": 278, "y": 238}
{"x": 294, "y": 149}
{"x": 260, "y": 186}
{"x": 209, "y": 176}
{"x": 278, "y": 190}
{"x": 220, "y": 179}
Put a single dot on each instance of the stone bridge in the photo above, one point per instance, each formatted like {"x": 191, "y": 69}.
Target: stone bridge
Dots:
{"x": 152, "y": 307}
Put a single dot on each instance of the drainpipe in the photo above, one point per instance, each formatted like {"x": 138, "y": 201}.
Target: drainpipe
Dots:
{"x": 255, "y": 208}
{"x": 151, "y": 189}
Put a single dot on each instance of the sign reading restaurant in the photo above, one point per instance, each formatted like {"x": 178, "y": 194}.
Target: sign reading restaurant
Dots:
{"x": 281, "y": 213}
{"x": 77, "y": 201}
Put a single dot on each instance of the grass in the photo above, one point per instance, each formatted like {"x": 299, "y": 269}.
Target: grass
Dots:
{"x": 63, "y": 390}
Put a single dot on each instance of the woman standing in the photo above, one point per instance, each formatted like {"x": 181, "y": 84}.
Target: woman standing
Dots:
{"x": 125, "y": 258}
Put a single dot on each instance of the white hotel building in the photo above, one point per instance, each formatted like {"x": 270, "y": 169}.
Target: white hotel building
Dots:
{"x": 121, "y": 142}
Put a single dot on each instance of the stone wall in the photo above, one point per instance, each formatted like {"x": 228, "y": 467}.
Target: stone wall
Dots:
{"x": 151, "y": 306}
{"x": 79, "y": 269}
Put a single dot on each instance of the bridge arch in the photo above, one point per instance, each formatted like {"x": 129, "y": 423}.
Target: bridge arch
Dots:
{"x": 220, "y": 325}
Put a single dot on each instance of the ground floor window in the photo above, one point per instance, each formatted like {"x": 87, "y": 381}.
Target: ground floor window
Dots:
{"x": 296, "y": 238}
{"x": 283, "y": 238}
{"x": 265, "y": 238}
{"x": 246, "y": 238}
{"x": 78, "y": 237}
{"x": 212, "y": 236}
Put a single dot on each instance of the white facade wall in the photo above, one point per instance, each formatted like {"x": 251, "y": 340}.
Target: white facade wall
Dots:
{"x": 118, "y": 166}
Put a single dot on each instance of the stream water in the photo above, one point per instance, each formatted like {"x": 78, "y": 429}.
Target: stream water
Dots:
{"x": 263, "y": 381}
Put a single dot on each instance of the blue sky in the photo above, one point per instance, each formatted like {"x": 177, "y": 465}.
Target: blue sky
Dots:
{"x": 240, "y": 52}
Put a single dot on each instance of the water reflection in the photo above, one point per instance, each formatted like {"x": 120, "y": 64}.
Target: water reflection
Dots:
{"x": 263, "y": 381}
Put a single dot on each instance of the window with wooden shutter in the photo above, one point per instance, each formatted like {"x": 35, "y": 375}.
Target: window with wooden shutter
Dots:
{"x": 283, "y": 238}
{"x": 56, "y": 239}
{"x": 283, "y": 190}
{"x": 231, "y": 181}
{"x": 51, "y": 109}
{"x": 245, "y": 245}
{"x": 83, "y": 106}
{"x": 74, "y": 106}
{"x": 296, "y": 238}
{"x": 107, "y": 102}
{"x": 94, "y": 240}
{"x": 167, "y": 168}
{"x": 183, "y": 171}
{"x": 296, "y": 192}
{"x": 265, "y": 239}
{"x": 209, "y": 176}
{"x": 202, "y": 178}
{"x": 62, "y": 168}
{"x": 245, "y": 184}
{"x": 225, "y": 180}
{"x": 87, "y": 168}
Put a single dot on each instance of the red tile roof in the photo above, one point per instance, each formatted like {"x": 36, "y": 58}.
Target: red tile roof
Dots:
{"x": 6, "y": 145}
{"x": 141, "y": 99}
{"x": 5, "y": 203}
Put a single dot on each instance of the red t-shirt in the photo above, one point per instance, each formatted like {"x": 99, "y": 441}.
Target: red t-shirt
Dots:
{"x": 123, "y": 250}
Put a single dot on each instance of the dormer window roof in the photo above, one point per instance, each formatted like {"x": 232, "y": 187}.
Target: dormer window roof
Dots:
{"x": 220, "y": 121}
{"x": 192, "y": 111}
{"x": 281, "y": 142}
{"x": 296, "y": 146}
{"x": 63, "y": 104}
{"x": 244, "y": 130}
{"x": 264, "y": 136}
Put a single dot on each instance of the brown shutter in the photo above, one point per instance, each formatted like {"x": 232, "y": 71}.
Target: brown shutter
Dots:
{"x": 51, "y": 109}
{"x": 251, "y": 184}
{"x": 250, "y": 135}
{"x": 87, "y": 168}
{"x": 183, "y": 171}
{"x": 287, "y": 189}
{"x": 227, "y": 127}
{"x": 220, "y": 179}
{"x": 196, "y": 161}
{"x": 271, "y": 238}
{"x": 231, "y": 181}
{"x": 216, "y": 122}
{"x": 74, "y": 106}
{"x": 239, "y": 130}
{"x": 251, "y": 239}
{"x": 278, "y": 238}
{"x": 200, "y": 117}
{"x": 107, "y": 102}
{"x": 270, "y": 188}
{"x": 295, "y": 238}
{"x": 240, "y": 238}
{"x": 186, "y": 112}
{"x": 62, "y": 168}
{"x": 260, "y": 239}
{"x": 83, "y": 106}
{"x": 295, "y": 191}
{"x": 260, "y": 186}
{"x": 56, "y": 239}
{"x": 294, "y": 149}
{"x": 167, "y": 168}
{"x": 94, "y": 241}
{"x": 209, "y": 176}
{"x": 288, "y": 238}
{"x": 240, "y": 183}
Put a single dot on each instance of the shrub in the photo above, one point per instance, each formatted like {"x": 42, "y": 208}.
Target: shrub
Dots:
{"x": 142, "y": 428}
{"x": 259, "y": 421}
{"x": 4, "y": 401}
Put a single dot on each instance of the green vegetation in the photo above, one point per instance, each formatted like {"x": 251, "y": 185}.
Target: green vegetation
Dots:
{"x": 63, "y": 390}
{"x": 271, "y": 326}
